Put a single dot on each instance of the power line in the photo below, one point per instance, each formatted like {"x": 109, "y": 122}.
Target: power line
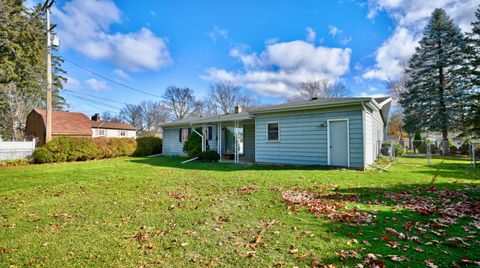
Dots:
{"x": 93, "y": 101}
{"x": 83, "y": 93}
{"x": 97, "y": 107}
{"x": 108, "y": 79}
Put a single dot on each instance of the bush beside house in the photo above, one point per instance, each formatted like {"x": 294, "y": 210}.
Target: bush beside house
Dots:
{"x": 148, "y": 146}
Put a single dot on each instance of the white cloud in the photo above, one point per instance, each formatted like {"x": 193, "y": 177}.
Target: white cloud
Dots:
{"x": 121, "y": 73}
{"x": 72, "y": 84}
{"x": 411, "y": 17}
{"x": 345, "y": 41}
{"x": 311, "y": 35}
{"x": 218, "y": 33}
{"x": 366, "y": 94}
{"x": 333, "y": 30}
{"x": 97, "y": 84}
{"x": 276, "y": 70}
{"x": 85, "y": 27}
{"x": 393, "y": 55}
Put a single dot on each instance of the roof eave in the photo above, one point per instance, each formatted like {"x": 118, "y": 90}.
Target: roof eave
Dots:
{"x": 309, "y": 106}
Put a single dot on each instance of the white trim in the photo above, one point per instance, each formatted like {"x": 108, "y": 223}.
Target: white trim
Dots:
{"x": 364, "y": 128}
{"x": 348, "y": 139}
{"x": 255, "y": 138}
{"x": 266, "y": 132}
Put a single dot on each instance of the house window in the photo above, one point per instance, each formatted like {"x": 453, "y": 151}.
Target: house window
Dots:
{"x": 207, "y": 133}
{"x": 101, "y": 132}
{"x": 122, "y": 133}
{"x": 272, "y": 131}
{"x": 185, "y": 132}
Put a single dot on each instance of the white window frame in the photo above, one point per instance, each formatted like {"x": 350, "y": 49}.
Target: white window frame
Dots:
{"x": 101, "y": 132}
{"x": 266, "y": 132}
{"x": 122, "y": 131}
{"x": 348, "y": 139}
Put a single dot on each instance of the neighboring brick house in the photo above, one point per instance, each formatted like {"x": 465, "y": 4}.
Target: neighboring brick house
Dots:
{"x": 74, "y": 125}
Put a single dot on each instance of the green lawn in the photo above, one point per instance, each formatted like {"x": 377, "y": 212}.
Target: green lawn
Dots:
{"x": 156, "y": 212}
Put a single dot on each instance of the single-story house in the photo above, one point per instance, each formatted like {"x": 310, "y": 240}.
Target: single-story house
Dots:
{"x": 74, "y": 125}
{"x": 345, "y": 132}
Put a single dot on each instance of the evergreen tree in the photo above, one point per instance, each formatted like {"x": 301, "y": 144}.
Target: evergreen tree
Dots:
{"x": 473, "y": 39}
{"x": 435, "y": 90}
{"x": 23, "y": 67}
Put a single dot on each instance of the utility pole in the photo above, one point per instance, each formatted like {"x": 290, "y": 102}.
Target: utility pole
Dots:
{"x": 48, "y": 134}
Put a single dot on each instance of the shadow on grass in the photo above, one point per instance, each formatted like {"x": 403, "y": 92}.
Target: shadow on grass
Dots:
{"x": 458, "y": 170}
{"x": 175, "y": 162}
{"x": 376, "y": 238}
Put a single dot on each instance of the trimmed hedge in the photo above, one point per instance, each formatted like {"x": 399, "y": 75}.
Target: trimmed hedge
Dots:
{"x": 148, "y": 145}
{"x": 62, "y": 149}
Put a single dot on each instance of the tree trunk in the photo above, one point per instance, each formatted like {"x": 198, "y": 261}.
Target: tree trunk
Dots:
{"x": 443, "y": 112}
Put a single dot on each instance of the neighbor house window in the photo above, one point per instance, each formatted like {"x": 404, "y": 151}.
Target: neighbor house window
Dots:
{"x": 101, "y": 132}
{"x": 122, "y": 133}
{"x": 272, "y": 131}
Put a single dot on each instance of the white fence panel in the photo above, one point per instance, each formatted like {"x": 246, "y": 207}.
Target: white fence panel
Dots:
{"x": 11, "y": 150}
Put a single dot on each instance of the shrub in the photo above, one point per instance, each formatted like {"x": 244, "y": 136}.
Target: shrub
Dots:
{"x": 63, "y": 149}
{"x": 209, "y": 156}
{"x": 193, "y": 145}
{"x": 398, "y": 149}
{"x": 15, "y": 162}
{"x": 42, "y": 155}
{"x": 148, "y": 146}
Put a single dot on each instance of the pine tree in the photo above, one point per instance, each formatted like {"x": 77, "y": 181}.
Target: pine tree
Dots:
{"x": 435, "y": 89}
{"x": 473, "y": 39}
{"x": 23, "y": 66}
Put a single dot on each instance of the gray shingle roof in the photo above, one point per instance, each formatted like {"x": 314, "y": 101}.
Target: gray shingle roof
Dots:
{"x": 297, "y": 104}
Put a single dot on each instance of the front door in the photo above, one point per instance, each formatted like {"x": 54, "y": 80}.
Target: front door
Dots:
{"x": 338, "y": 143}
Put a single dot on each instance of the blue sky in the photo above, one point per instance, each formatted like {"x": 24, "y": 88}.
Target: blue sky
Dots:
{"x": 264, "y": 46}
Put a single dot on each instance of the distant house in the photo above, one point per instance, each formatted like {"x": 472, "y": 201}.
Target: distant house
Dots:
{"x": 74, "y": 125}
{"x": 111, "y": 129}
{"x": 345, "y": 132}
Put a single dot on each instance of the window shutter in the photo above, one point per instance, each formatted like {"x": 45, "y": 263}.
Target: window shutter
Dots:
{"x": 179, "y": 135}
{"x": 189, "y": 131}
{"x": 210, "y": 130}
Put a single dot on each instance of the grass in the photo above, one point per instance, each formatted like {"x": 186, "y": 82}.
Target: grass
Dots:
{"x": 156, "y": 212}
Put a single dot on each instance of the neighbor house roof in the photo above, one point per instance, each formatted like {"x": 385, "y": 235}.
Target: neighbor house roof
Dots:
{"x": 68, "y": 123}
{"x": 111, "y": 125}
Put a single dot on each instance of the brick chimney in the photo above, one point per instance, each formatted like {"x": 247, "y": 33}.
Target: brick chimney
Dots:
{"x": 96, "y": 117}
{"x": 238, "y": 109}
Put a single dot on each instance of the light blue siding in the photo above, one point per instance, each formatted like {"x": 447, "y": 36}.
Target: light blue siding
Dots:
{"x": 303, "y": 140}
{"x": 173, "y": 147}
{"x": 374, "y": 134}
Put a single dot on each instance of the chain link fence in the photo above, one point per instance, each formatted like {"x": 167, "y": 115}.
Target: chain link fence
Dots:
{"x": 428, "y": 148}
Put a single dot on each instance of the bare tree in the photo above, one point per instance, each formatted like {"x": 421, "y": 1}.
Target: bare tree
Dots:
{"x": 224, "y": 96}
{"x": 109, "y": 117}
{"x": 146, "y": 116}
{"x": 322, "y": 89}
{"x": 132, "y": 114}
{"x": 154, "y": 114}
{"x": 395, "y": 90}
{"x": 180, "y": 100}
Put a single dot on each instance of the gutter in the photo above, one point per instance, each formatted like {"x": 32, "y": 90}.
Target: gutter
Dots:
{"x": 308, "y": 106}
